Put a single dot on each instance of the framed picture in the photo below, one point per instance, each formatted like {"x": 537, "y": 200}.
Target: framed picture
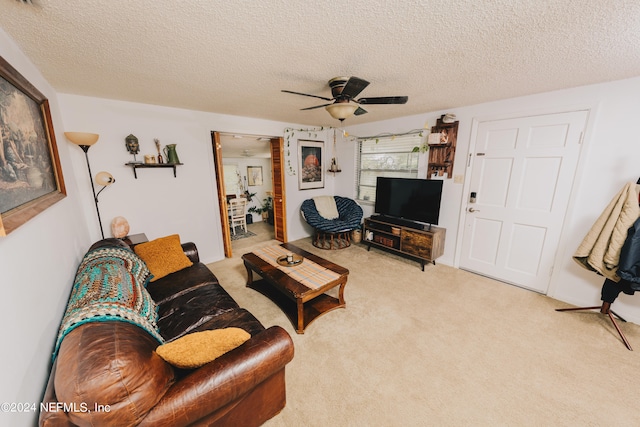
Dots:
{"x": 254, "y": 175}
{"x": 30, "y": 173}
{"x": 310, "y": 163}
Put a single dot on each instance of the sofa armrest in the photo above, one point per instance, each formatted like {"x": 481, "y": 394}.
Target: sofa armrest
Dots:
{"x": 191, "y": 251}
{"x": 223, "y": 380}
{"x": 53, "y": 418}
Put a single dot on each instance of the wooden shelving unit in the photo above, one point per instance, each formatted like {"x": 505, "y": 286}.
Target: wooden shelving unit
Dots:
{"x": 441, "y": 156}
{"x": 423, "y": 245}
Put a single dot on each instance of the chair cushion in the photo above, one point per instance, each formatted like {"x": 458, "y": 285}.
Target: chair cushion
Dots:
{"x": 180, "y": 315}
{"x": 326, "y": 207}
{"x": 177, "y": 284}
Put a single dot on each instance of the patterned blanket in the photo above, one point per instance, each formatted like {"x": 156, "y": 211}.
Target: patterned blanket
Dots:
{"x": 110, "y": 286}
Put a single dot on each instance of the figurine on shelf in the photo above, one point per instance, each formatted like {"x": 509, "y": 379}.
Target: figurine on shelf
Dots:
{"x": 133, "y": 146}
{"x": 334, "y": 165}
{"x": 157, "y": 141}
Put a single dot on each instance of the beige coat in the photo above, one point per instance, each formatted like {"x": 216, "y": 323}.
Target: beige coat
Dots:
{"x": 600, "y": 249}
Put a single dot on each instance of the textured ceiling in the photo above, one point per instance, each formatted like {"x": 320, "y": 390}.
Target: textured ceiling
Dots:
{"x": 234, "y": 57}
{"x": 241, "y": 145}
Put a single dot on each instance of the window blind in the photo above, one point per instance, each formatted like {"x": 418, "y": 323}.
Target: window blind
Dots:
{"x": 391, "y": 156}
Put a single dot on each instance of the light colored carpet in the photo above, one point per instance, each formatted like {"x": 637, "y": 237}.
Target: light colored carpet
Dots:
{"x": 260, "y": 232}
{"x": 445, "y": 347}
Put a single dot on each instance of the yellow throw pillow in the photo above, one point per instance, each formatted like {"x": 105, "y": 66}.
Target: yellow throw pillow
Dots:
{"x": 199, "y": 348}
{"x": 163, "y": 256}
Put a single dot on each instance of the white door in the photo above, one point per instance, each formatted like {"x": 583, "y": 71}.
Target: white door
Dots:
{"x": 522, "y": 174}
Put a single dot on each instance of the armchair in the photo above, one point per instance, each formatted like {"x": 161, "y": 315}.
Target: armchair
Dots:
{"x": 333, "y": 233}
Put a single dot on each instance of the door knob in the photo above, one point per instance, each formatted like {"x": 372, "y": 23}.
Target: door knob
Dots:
{"x": 473, "y": 210}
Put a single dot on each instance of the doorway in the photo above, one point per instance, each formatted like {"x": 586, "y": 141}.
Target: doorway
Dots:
{"x": 521, "y": 178}
{"x": 246, "y": 167}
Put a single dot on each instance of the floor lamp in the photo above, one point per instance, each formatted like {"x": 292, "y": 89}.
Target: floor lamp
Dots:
{"x": 85, "y": 140}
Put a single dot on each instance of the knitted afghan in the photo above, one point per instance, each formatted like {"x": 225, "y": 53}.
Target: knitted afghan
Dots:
{"x": 110, "y": 286}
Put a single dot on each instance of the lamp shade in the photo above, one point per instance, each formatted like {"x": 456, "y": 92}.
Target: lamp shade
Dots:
{"x": 104, "y": 178}
{"x": 341, "y": 110}
{"x": 82, "y": 138}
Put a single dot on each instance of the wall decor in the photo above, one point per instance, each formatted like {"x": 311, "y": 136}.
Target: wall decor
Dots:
{"x": 30, "y": 172}
{"x": 310, "y": 161}
{"x": 254, "y": 173}
{"x": 289, "y": 149}
{"x": 133, "y": 146}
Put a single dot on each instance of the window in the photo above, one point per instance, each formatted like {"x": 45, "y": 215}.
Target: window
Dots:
{"x": 388, "y": 157}
{"x": 231, "y": 175}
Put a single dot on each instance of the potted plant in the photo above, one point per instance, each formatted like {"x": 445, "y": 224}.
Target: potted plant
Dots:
{"x": 248, "y": 195}
{"x": 266, "y": 210}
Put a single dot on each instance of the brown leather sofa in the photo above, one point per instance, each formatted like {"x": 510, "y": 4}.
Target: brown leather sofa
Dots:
{"x": 107, "y": 373}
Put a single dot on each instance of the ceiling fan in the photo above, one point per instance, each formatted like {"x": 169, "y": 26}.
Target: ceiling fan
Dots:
{"x": 344, "y": 91}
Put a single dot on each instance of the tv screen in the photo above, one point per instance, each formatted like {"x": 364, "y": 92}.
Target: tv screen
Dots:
{"x": 409, "y": 198}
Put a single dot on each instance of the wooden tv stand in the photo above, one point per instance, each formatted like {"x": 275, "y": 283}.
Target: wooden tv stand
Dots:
{"x": 423, "y": 245}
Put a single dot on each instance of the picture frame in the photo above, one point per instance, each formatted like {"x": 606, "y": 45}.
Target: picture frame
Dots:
{"x": 310, "y": 164}
{"x": 254, "y": 176}
{"x": 31, "y": 178}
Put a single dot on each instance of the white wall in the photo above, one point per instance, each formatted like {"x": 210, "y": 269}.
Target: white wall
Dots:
{"x": 610, "y": 158}
{"x": 37, "y": 264}
{"x": 297, "y": 228}
{"x": 156, "y": 203}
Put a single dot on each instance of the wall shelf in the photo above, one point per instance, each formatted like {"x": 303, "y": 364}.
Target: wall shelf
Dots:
{"x": 441, "y": 155}
{"x": 136, "y": 166}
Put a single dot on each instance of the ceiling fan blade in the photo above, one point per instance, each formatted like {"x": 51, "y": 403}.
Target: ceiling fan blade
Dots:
{"x": 354, "y": 86}
{"x": 360, "y": 111}
{"x": 384, "y": 100}
{"x": 306, "y": 94}
{"x": 313, "y": 108}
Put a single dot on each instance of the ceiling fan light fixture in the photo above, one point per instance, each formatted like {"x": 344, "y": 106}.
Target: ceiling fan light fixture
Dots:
{"x": 341, "y": 110}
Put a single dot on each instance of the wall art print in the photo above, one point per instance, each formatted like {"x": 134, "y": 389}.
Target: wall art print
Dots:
{"x": 254, "y": 174}
{"x": 310, "y": 164}
{"x": 30, "y": 173}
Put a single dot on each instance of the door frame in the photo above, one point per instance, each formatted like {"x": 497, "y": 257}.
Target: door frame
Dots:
{"x": 562, "y": 249}
{"x": 222, "y": 195}
{"x": 279, "y": 191}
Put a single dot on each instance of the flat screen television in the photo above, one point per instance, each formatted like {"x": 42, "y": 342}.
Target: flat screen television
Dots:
{"x": 409, "y": 198}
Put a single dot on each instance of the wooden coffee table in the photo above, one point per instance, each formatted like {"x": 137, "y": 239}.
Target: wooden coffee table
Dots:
{"x": 301, "y": 304}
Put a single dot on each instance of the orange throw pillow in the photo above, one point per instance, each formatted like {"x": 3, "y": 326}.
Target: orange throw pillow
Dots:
{"x": 199, "y": 348}
{"x": 163, "y": 256}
